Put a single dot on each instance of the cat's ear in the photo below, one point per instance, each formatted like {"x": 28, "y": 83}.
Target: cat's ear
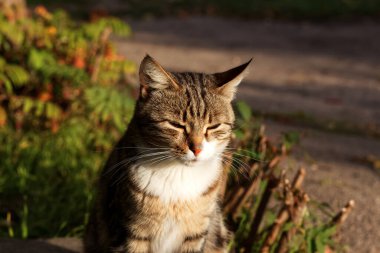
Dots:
{"x": 227, "y": 82}
{"x": 153, "y": 76}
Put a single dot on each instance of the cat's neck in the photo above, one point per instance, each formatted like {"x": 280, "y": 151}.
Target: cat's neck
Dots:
{"x": 174, "y": 181}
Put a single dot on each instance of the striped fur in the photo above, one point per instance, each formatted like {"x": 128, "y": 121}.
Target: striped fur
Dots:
{"x": 159, "y": 190}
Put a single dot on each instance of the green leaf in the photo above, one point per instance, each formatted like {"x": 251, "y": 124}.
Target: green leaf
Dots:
{"x": 291, "y": 138}
{"x": 49, "y": 110}
{"x": 329, "y": 231}
{"x": 39, "y": 59}
{"x": 288, "y": 226}
{"x": 39, "y": 107}
{"x": 24, "y": 219}
{"x": 28, "y": 105}
{"x": 4, "y": 80}
{"x": 12, "y": 33}
{"x": 319, "y": 244}
{"x": 309, "y": 241}
{"x": 244, "y": 110}
{"x": 16, "y": 74}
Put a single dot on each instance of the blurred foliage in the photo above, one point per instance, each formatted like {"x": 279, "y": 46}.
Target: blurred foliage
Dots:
{"x": 64, "y": 102}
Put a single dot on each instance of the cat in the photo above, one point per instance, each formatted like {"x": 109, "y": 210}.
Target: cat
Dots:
{"x": 159, "y": 190}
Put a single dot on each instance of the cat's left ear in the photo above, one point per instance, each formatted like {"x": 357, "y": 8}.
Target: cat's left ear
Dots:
{"x": 154, "y": 77}
{"x": 227, "y": 82}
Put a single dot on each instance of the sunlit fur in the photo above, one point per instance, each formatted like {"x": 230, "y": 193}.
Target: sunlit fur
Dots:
{"x": 159, "y": 189}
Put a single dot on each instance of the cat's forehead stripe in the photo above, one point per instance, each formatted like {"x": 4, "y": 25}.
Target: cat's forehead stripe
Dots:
{"x": 196, "y": 95}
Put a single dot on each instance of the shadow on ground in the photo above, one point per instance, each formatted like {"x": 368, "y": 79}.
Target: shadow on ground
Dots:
{"x": 328, "y": 70}
{"x": 59, "y": 245}
{"x": 339, "y": 40}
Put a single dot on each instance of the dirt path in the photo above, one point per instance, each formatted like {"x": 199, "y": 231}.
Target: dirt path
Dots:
{"x": 328, "y": 71}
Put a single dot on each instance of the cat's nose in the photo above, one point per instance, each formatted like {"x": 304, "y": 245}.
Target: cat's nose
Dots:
{"x": 196, "y": 146}
{"x": 196, "y": 151}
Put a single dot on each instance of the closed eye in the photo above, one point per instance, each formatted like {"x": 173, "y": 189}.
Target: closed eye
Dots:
{"x": 214, "y": 127}
{"x": 176, "y": 125}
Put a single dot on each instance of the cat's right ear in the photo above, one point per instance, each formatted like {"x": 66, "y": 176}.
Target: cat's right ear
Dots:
{"x": 153, "y": 77}
{"x": 228, "y": 81}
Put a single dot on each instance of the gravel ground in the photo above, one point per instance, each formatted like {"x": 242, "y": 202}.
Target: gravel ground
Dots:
{"x": 329, "y": 71}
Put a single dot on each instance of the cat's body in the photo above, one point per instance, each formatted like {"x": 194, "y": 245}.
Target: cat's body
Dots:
{"x": 159, "y": 191}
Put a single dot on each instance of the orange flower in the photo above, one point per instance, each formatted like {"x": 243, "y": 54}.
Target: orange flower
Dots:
{"x": 10, "y": 16}
{"x": 41, "y": 11}
{"x": 45, "y": 96}
{"x": 52, "y": 30}
{"x": 109, "y": 53}
{"x": 79, "y": 62}
{"x": 328, "y": 250}
{"x": 54, "y": 127}
{"x": 3, "y": 117}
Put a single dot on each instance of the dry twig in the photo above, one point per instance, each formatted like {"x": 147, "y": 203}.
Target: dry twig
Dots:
{"x": 243, "y": 199}
{"x": 343, "y": 214}
{"x": 273, "y": 183}
{"x": 103, "y": 39}
{"x": 275, "y": 229}
{"x": 294, "y": 205}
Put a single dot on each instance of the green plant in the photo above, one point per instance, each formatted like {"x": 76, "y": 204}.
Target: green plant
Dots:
{"x": 63, "y": 103}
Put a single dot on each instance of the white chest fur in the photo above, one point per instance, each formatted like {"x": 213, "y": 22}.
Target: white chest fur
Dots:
{"x": 168, "y": 239}
{"x": 174, "y": 181}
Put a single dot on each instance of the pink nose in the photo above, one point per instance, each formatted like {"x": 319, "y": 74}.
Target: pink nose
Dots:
{"x": 197, "y": 151}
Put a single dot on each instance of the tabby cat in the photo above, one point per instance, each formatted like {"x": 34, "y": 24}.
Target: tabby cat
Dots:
{"x": 159, "y": 190}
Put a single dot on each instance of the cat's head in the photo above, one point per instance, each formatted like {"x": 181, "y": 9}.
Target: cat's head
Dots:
{"x": 187, "y": 115}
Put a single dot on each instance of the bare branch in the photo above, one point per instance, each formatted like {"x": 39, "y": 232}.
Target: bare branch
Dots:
{"x": 343, "y": 214}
